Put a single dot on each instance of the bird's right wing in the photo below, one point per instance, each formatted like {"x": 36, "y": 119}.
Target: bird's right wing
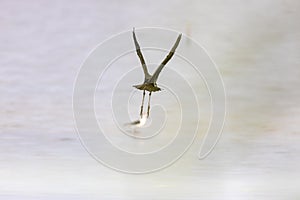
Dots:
{"x": 166, "y": 60}
{"x": 140, "y": 55}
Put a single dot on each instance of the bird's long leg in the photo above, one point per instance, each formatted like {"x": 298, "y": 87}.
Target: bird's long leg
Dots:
{"x": 148, "y": 110}
{"x": 141, "y": 112}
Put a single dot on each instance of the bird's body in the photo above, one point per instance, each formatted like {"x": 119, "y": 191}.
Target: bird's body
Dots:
{"x": 151, "y": 87}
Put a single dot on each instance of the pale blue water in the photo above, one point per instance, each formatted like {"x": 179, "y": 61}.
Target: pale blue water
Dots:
{"x": 256, "y": 46}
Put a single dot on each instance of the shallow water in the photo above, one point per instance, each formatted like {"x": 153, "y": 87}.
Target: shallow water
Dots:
{"x": 256, "y": 47}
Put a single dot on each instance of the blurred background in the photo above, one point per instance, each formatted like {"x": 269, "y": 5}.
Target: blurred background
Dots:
{"x": 256, "y": 45}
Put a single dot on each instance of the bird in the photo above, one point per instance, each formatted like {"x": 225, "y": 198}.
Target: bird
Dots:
{"x": 149, "y": 83}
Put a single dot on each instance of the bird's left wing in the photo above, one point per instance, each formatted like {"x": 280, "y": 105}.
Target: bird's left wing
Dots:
{"x": 140, "y": 55}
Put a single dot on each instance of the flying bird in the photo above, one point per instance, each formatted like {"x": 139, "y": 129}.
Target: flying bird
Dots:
{"x": 149, "y": 83}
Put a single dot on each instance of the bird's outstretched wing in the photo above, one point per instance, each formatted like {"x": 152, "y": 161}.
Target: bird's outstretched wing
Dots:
{"x": 140, "y": 55}
{"x": 165, "y": 61}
